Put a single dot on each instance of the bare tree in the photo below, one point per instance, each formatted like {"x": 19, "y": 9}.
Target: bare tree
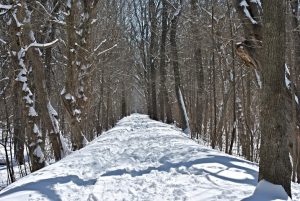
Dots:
{"x": 175, "y": 62}
{"x": 165, "y": 106}
{"x": 274, "y": 164}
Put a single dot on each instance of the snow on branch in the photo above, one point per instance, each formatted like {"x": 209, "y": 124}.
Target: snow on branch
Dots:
{"x": 32, "y": 112}
{"x": 99, "y": 45}
{"x": 18, "y": 23}
{"x": 2, "y": 41}
{"x": 59, "y": 22}
{"x": 258, "y": 2}
{"x": 43, "y": 7}
{"x": 42, "y": 45}
{"x": 245, "y": 6}
{"x": 3, "y": 79}
{"x": 5, "y": 7}
{"x": 69, "y": 4}
{"x": 210, "y": 14}
{"x": 104, "y": 51}
{"x": 178, "y": 10}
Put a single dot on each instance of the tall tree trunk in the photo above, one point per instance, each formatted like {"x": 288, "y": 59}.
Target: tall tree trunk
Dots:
{"x": 248, "y": 141}
{"x": 233, "y": 81}
{"x": 296, "y": 39}
{"x": 51, "y": 34}
{"x": 29, "y": 57}
{"x": 270, "y": 60}
{"x": 69, "y": 94}
{"x": 77, "y": 93}
{"x": 174, "y": 58}
{"x": 165, "y": 106}
{"x": 123, "y": 101}
{"x": 295, "y": 74}
{"x": 214, "y": 132}
{"x": 274, "y": 164}
{"x": 199, "y": 67}
{"x": 152, "y": 57}
{"x": 18, "y": 124}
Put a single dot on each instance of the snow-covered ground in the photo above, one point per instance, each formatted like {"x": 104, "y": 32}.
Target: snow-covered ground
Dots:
{"x": 19, "y": 171}
{"x": 138, "y": 160}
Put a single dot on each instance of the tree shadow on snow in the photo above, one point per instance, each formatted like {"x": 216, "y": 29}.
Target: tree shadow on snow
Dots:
{"x": 45, "y": 186}
{"x": 223, "y": 160}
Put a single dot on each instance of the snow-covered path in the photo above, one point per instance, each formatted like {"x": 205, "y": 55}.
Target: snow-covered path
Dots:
{"x": 140, "y": 159}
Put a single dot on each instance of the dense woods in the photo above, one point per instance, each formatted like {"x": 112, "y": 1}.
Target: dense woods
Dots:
{"x": 226, "y": 72}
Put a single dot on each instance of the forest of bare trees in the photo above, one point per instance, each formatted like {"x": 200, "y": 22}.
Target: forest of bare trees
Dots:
{"x": 227, "y": 72}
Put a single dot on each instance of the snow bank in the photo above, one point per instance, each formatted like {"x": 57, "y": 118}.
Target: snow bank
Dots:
{"x": 267, "y": 191}
{"x": 140, "y": 160}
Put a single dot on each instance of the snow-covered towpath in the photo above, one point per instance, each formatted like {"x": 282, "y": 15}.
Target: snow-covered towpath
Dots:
{"x": 140, "y": 159}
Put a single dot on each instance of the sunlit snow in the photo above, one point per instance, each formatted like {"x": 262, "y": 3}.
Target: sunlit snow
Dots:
{"x": 143, "y": 160}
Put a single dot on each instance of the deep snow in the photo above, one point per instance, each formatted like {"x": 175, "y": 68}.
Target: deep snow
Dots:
{"x": 142, "y": 159}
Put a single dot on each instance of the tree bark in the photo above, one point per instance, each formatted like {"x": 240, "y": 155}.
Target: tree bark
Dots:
{"x": 174, "y": 58}
{"x": 152, "y": 57}
{"x": 18, "y": 124}
{"x": 77, "y": 93}
{"x": 214, "y": 131}
{"x": 295, "y": 75}
{"x": 233, "y": 82}
{"x": 19, "y": 43}
{"x": 199, "y": 67}
{"x": 274, "y": 163}
{"x": 165, "y": 106}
